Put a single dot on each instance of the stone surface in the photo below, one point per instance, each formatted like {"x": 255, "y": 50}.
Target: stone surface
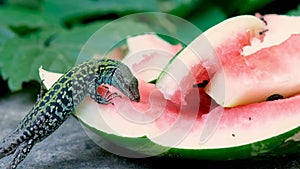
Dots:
{"x": 70, "y": 147}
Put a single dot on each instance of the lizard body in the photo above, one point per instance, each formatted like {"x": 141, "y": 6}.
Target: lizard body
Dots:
{"x": 59, "y": 102}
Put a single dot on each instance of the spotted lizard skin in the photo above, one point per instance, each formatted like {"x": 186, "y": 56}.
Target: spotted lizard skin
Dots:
{"x": 60, "y": 101}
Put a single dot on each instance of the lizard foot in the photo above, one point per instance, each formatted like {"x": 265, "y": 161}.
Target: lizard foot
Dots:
{"x": 20, "y": 153}
{"x": 107, "y": 97}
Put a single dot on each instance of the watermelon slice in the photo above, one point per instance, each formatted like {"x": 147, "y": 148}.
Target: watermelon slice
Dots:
{"x": 272, "y": 66}
{"x": 245, "y": 67}
{"x": 174, "y": 126}
{"x": 148, "y": 55}
{"x": 199, "y": 61}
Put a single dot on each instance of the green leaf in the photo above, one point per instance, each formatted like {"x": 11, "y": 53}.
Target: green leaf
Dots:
{"x": 78, "y": 10}
{"x": 22, "y": 20}
{"x": 110, "y": 35}
{"x": 178, "y": 7}
{"x": 294, "y": 12}
{"x": 21, "y": 58}
{"x": 56, "y": 50}
{"x": 250, "y": 6}
{"x": 5, "y": 34}
{"x": 238, "y": 7}
{"x": 209, "y": 16}
{"x": 33, "y": 4}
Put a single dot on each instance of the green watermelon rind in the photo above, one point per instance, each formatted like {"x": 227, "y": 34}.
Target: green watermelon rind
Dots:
{"x": 279, "y": 145}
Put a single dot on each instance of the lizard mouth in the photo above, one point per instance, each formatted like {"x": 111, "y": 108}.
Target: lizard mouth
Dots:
{"x": 136, "y": 99}
{"x": 134, "y": 95}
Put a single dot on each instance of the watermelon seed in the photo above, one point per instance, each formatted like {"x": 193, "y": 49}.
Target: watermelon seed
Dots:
{"x": 233, "y": 135}
{"x": 250, "y": 118}
{"x": 201, "y": 85}
{"x": 263, "y": 19}
{"x": 274, "y": 97}
{"x": 264, "y": 31}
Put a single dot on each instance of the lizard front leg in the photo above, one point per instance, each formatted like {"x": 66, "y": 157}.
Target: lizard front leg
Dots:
{"x": 43, "y": 90}
{"x": 104, "y": 98}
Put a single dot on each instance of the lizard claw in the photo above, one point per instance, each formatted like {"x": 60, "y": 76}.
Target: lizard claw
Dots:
{"x": 106, "y": 97}
{"x": 110, "y": 96}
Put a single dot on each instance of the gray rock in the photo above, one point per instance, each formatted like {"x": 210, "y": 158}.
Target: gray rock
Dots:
{"x": 70, "y": 147}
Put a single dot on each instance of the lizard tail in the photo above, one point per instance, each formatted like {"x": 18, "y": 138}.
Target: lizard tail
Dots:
{"x": 2, "y": 154}
{"x": 8, "y": 145}
{"x": 2, "y": 149}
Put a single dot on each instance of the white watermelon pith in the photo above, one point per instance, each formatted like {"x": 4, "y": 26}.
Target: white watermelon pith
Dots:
{"x": 256, "y": 129}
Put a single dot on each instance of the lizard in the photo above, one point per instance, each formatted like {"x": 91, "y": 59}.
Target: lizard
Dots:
{"x": 60, "y": 101}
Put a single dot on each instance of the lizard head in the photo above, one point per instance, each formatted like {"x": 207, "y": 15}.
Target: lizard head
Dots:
{"x": 124, "y": 81}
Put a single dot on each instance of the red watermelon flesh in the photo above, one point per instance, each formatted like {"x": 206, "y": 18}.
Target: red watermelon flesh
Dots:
{"x": 270, "y": 66}
{"x": 250, "y": 79}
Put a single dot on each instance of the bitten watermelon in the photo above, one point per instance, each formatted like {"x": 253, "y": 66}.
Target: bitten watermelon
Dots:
{"x": 252, "y": 60}
{"x": 202, "y": 58}
{"x": 171, "y": 119}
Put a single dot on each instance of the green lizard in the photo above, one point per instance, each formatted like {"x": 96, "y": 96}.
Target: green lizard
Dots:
{"x": 61, "y": 99}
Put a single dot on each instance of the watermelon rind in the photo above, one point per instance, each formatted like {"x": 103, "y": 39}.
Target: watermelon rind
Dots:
{"x": 279, "y": 145}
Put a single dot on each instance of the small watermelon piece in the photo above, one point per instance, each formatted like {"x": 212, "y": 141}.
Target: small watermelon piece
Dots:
{"x": 148, "y": 54}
